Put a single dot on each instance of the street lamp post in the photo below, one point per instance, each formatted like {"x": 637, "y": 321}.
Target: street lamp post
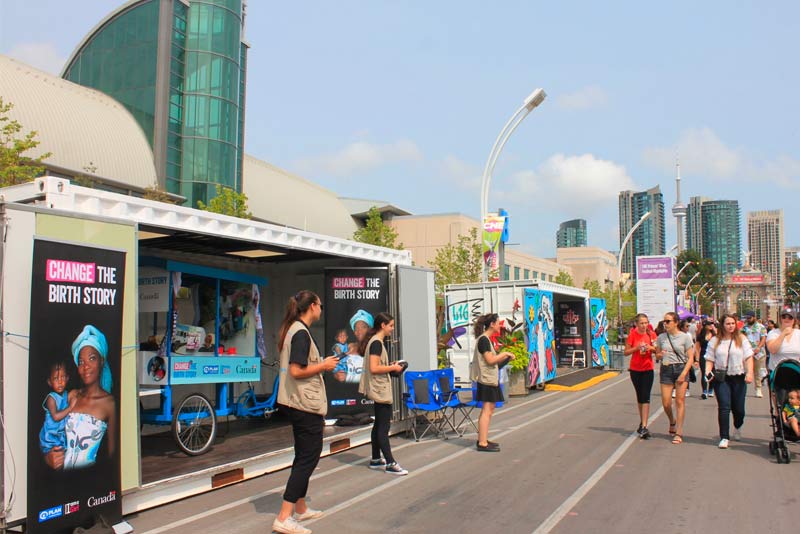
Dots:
{"x": 619, "y": 269}
{"x": 530, "y": 103}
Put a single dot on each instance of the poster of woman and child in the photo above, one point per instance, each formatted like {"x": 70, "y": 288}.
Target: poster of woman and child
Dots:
{"x": 352, "y": 299}
{"x": 73, "y": 386}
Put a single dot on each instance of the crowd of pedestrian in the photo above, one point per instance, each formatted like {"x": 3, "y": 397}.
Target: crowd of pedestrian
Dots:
{"x": 727, "y": 355}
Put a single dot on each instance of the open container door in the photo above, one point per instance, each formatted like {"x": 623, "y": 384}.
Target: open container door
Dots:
{"x": 416, "y": 319}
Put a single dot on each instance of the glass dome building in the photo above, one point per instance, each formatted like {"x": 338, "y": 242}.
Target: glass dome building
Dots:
{"x": 179, "y": 67}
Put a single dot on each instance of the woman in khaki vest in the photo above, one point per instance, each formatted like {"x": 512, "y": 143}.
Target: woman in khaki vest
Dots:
{"x": 485, "y": 366}
{"x": 376, "y": 385}
{"x": 301, "y": 394}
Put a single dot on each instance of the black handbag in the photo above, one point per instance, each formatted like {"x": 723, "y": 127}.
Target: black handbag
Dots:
{"x": 721, "y": 374}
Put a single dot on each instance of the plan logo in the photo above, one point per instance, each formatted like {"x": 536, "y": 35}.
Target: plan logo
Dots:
{"x": 50, "y": 513}
{"x": 211, "y": 369}
{"x": 337, "y": 402}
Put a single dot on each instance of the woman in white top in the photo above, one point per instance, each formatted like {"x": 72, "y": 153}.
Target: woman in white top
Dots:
{"x": 729, "y": 368}
{"x": 783, "y": 343}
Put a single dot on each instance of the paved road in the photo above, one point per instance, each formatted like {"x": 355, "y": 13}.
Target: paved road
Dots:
{"x": 569, "y": 464}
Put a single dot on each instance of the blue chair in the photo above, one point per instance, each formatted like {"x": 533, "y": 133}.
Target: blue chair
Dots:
{"x": 421, "y": 400}
{"x": 452, "y": 405}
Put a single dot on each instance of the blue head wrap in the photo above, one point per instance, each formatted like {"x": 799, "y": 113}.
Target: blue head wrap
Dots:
{"x": 92, "y": 337}
{"x": 361, "y": 315}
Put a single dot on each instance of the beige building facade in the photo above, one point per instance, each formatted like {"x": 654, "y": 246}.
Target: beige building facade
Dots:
{"x": 589, "y": 263}
{"x": 423, "y": 235}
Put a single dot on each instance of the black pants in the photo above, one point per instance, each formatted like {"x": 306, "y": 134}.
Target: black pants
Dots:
{"x": 730, "y": 398}
{"x": 642, "y": 383}
{"x": 307, "y": 430}
{"x": 380, "y": 432}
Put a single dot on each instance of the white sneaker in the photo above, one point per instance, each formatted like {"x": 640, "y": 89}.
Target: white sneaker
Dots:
{"x": 737, "y": 434}
{"x": 289, "y": 526}
{"x": 758, "y": 393}
{"x": 395, "y": 469}
{"x": 688, "y": 394}
{"x": 673, "y": 393}
{"x": 310, "y": 513}
{"x": 723, "y": 444}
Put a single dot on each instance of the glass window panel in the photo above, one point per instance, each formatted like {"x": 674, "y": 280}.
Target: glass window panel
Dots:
{"x": 237, "y": 326}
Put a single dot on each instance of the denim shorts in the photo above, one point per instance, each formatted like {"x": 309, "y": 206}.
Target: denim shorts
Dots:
{"x": 669, "y": 373}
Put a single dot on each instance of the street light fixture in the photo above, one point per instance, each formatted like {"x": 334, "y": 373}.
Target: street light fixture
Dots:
{"x": 685, "y": 265}
{"x": 619, "y": 267}
{"x": 529, "y": 104}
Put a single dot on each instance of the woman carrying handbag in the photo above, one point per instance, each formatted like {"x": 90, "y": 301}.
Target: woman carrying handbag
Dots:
{"x": 675, "y": 351}
{"x": 729, "y": 367}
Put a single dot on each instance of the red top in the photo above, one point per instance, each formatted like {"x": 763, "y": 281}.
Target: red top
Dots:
{"x": 641, "y": 361}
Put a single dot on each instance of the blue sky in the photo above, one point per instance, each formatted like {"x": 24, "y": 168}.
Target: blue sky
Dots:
{"x": 402, "y": 101}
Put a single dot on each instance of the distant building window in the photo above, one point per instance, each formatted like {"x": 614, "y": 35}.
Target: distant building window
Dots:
{"x": 506, "y": 272}
{"x": 527, "y": 274}
{"x": 535, "y": 275}
{"x": 516, "y": 273}
{"x": 550, "y": 277}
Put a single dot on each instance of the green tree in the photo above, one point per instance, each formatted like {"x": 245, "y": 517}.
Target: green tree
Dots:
{"x": 793, "y": 283}
{"x": 564, "y": 278}
{"x": 227, "y": 202}
{"x": 459, "y": 263}
{"x": 15, "y": 168}
{"x": 594, "y": 289}
{"x": 377, "y": 232}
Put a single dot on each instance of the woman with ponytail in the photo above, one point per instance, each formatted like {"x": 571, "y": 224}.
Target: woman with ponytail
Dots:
{"x": 484, "y": 371}
{"x": 376, "y": 385}
{"x": 301, "y": 393}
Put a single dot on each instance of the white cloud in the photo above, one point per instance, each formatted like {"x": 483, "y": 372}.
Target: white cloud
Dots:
{"x": 588, "y": 97}
{"x": 43, "y": 56}
{"x": 703, "y": 154}
{"x": 465, "y": 175}
{"x": 574, "y": 183}
{"x": 360, "y": 157}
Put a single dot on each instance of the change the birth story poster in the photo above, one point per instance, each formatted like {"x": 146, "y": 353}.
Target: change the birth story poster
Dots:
{"x": 74, "y": 386}
{"x": 352, "y": 299}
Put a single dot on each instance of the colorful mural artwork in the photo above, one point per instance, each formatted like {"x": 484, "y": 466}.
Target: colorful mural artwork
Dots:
{"x": 599, "y": 322}
{"x": 541, "y": 343}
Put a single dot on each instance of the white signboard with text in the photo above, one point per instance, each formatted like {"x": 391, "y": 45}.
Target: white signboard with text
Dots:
{"x": 655, "y": 286}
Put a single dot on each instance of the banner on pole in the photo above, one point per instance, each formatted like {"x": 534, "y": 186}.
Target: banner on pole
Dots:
{"x": 493, "y": 227}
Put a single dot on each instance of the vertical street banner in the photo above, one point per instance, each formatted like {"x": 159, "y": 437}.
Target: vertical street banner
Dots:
{"x": 353, "y": 297}
{"x": 541, "y": 344}
{"x": 655, "y": 286}
{"x": 493, "y": 227}
{"x": 570, "y": 328}
{"x": 599, "y": 330}
{"x": 74, "y": 386}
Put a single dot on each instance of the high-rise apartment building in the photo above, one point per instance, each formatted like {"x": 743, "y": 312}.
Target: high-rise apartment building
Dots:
{"x": 765, "y": 240}
{"x": 713, "y": 229}
{"x": 791, "y": 255}
{"x": 650, "y": 238}
{"x": 179, "y": 67}
{"x": 571, "y": 234}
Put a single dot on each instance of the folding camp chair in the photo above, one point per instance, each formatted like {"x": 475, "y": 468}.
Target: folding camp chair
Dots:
{"x": 421, "y": 401}
{"x": 452, "y": 405}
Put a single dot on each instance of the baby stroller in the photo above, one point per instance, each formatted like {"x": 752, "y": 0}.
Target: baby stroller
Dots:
{"x": 784, "y": 378}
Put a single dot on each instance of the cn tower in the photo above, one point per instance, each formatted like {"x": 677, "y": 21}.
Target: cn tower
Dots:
{"x": 679, "y": 210}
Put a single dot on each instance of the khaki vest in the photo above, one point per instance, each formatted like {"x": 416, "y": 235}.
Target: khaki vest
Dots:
{"x": 304, "y": 394}
{"x": 376, "y": 387}
{"x": 481, "y": 371}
